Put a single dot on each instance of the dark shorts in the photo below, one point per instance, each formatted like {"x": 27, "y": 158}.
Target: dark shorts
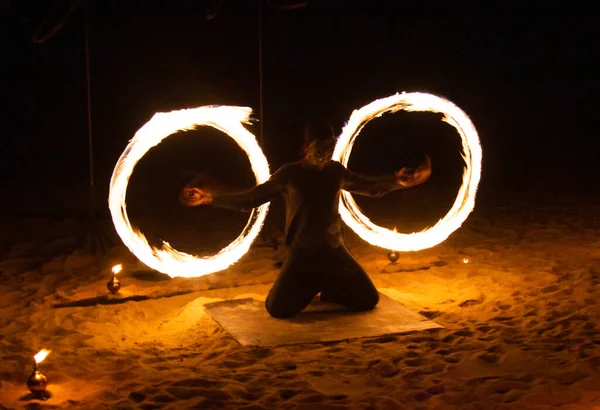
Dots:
{"x": 331, "y": 271}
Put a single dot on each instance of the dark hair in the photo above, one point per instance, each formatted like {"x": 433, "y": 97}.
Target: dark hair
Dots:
{"x": 320, "y": 130}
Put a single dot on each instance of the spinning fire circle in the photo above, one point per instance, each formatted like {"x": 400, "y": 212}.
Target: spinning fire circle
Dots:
{"x": 167, "y": 260}
{"x": 465, "y": 200}
{"x": 230, "y": 120}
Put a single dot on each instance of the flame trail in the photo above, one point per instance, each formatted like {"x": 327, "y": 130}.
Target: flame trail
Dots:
{"x": 42, "y": 354}
{"x": 465, "y": 200}
{"x": 167, "y": 260}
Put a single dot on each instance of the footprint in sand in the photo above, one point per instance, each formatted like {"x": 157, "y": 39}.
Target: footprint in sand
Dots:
{"x": 198, "y": 382}
{"x": 414, "y": 376}
{"x": 449, "y": 339}
{"x": 163, "y": 398}
{"x": 495, "y": 349}
{"x": 421, "y": 396}
{"x": 429, "y": 314}
{"x": 487, "y": 329}
{"x": 137, "y": 397}
{"x": 288, "y": 393}
{"x": 489, "y": 357}
{"x": 187, "y": 393}
{"x": 464, "y": 333}
{"x": 261, "y": 352}
{"x": 549, "y": 289}
{"x": 503, "y": 390}
{"x": 387, "y": 369}
{"x": 453, "y": 358}
{"x": 243, "y": 377}
{"x": 414, "y": 362}
{"x": 469, "y": 302}
{"x": 531, "y": 312}
{"x": 436, "y": 389}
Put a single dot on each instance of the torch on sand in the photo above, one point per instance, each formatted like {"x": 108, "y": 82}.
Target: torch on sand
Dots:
{"x": 114, "y": 284}
{"x": 37, "y": 382}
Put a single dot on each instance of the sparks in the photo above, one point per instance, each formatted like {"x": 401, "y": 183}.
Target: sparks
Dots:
{"x": 117, "y": 268}
{"x": 167, "y": 260}
{"x": 42, "y": 354}
{"x": 465, "y": 200}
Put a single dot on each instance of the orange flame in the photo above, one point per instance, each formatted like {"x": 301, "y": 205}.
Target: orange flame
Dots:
{"x": 117, "y": 268}
{"x": 230, "y": 120}
{"x": 465, "y": 200}
{"x": 39, "y": 358}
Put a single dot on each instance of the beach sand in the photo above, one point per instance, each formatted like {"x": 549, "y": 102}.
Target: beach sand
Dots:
{"x": 516, "y": 289}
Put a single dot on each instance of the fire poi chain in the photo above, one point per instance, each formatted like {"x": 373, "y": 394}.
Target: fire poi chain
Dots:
{"x": 230, "y": 120}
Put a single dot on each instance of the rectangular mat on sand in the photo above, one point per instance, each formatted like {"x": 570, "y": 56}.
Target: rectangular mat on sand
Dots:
{"x": 250, "y": 324}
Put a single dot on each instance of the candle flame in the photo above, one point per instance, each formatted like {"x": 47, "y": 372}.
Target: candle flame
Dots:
{"x": 465, "y": 200}
{"x": 166, "y": 259}
{"x": 39, "y": 358}
{"x": 465, "y": 260}
{"x": 117, "y": 268}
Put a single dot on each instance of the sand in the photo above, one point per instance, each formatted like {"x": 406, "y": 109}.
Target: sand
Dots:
{"x": 516, "y": 289}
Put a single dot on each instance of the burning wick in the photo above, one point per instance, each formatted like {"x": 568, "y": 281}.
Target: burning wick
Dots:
{"x": 114, "y": 284}
{"x": 37, "y": 382}
{"x": 465, "y": 260}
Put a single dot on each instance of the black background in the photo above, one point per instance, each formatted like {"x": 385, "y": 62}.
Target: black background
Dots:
{"x": 527, "y": 80}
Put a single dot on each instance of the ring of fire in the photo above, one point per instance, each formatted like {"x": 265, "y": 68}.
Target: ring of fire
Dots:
{"x": 167, "y": 260}
{"x": 465, "y": 200}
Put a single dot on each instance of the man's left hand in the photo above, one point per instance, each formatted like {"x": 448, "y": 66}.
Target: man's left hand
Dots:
{"x": 408, "y": 177}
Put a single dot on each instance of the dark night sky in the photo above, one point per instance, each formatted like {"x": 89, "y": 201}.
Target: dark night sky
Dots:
{"x": 528, "y": 82}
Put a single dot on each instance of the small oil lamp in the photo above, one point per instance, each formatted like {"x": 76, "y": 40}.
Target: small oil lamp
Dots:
{"x": 393, "y": 257}
{"x": 114, "y": 284}
{"x": 37, "y": 382}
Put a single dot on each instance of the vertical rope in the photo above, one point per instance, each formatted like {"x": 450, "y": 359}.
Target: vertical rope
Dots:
{"x": 96, "y": 235}
{"x": 260, "y": 72}
{"x": 89, "y": 105}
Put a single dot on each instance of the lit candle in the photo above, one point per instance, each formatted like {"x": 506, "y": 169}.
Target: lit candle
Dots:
{"x": 114, "y": 284}
{"x": 37, "y": 382}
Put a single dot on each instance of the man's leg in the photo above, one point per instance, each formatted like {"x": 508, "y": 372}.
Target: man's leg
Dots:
{"x": 348, "y": 284}
{"x": 296, "y": 285}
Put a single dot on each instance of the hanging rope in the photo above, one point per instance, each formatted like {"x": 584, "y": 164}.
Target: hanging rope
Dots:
{"x": 288, "y": 7}
{"x": 260, "y": 73}
{"x": 50, "y": 27}
{"x": 89, "y": 102}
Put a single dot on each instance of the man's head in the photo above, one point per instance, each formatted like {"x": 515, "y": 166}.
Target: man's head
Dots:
{"x": 319, "y": 142}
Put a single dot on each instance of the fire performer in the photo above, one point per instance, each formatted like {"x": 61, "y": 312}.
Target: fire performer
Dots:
{"x": 318, "y": 262}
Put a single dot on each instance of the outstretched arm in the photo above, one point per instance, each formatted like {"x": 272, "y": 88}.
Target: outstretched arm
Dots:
{"x": 378, "y": 186}
{"x": 252, "y": 198}
{"x": 241, "y": 201}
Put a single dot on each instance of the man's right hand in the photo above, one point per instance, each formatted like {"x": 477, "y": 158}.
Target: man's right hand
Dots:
{"x": 195, "y": 197}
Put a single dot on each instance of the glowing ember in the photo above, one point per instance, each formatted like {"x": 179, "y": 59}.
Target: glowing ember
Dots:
{"x": 117, "y": 268}
{"x": 167, "y": 260}
{"x": 39, "y": 358}
{"x": 465, "y": 200}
